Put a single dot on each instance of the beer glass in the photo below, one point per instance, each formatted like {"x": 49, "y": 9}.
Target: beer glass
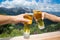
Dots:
{"x": 27, "y": 25}
{"x": 39, "y": 19}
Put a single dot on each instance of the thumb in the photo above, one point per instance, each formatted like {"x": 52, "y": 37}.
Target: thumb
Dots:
{"x": 25, "y": 20}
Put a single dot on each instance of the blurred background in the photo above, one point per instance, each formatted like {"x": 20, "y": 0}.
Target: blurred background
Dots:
{"x": 16, "y": 7}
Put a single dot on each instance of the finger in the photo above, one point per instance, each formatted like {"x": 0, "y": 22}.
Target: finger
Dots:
{"x": 21, "y": 15}
{"x": 25, "y": 20}
{"x": 42, "y": 15}
{"x": 24, "y": 14}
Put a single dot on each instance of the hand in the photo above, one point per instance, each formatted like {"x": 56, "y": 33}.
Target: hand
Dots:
{"x": 19, "y": 19}
{"x": 43, "y": 15}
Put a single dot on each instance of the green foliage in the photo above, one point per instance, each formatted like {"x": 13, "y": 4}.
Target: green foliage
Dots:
{"x": 11, "y": 30}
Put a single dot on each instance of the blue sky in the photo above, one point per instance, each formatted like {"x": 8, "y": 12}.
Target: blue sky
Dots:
{"x": 52, "y": 1}
{"x": 56, "y": 1}
{"x": 43, "y": 5}
{"x": 4, "y": 0}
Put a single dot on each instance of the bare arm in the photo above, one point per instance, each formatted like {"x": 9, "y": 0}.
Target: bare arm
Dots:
{"x": 51, "y": 17}
{"x": 5, "y": 19}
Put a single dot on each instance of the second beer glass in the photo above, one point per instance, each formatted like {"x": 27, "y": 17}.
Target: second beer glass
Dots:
{"x": 38, "y": 18}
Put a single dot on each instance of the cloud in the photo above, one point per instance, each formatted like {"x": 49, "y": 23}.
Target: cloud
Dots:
{"x": 6, "y": 4}
{"x": 43, "y": 5}
{"x": 49, "y": 7}
{"x": 10, "y": 4}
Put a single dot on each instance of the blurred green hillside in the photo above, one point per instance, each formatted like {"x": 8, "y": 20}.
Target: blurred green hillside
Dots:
{"x": 11, "y": 30}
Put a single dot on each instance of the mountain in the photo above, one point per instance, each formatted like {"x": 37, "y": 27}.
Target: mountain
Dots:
{"x": 20, "y": 10}
{"x": 14, "y": 11}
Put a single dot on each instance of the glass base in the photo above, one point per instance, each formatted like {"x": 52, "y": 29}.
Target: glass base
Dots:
{"x": 26, "y": 35}
{"x": 41, "y": 27}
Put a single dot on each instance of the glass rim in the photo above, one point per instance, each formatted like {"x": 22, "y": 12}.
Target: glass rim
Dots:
{"x": 29, "y": 13}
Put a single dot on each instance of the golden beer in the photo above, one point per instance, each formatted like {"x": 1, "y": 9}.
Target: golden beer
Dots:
{"x": 38, "y": 19}
{"x": 27, "y": 25}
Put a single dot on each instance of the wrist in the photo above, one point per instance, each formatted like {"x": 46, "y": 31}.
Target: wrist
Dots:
{"x": 12, "y": 19}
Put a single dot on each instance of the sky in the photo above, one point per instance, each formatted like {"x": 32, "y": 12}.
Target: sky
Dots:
{"x": 43, "y": 5}
{"x": 52, "y": 1}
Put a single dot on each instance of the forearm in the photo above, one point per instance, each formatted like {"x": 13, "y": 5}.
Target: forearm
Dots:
{"x": 5, "y": 19}
{"x": 51, "y": 17}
